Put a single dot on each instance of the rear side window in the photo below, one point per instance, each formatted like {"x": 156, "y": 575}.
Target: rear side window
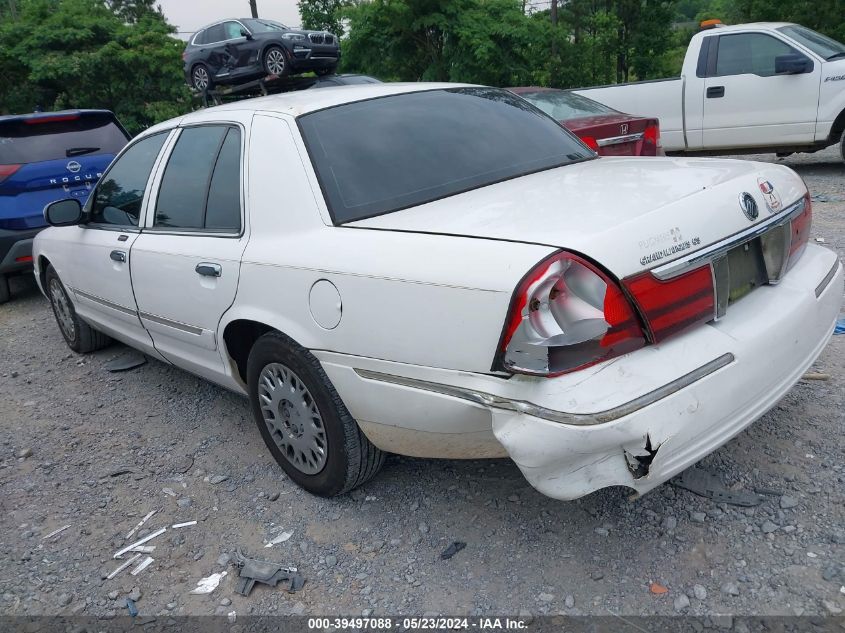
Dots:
{"x": 200, "y": 188}
{"x": 33, "y": 140}
{"x": 201, "y": 38}
{"x": 749, "y": 54}
{"x": 120, "y": 193}
{"x": 215, "y": 33}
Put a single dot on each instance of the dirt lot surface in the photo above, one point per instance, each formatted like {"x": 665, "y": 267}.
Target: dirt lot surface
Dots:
{"x": 97, "y": 451}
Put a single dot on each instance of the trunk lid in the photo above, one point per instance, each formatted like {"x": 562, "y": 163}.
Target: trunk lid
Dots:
{"x": 616, "y": 134}
{"x": 628, "y": 214}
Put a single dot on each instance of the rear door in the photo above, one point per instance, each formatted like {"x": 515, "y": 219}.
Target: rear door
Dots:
{"x": 50, "y": 157}
{"x": 746, "y": 104}
{"x": 96, "y": 266}
{"x": 186, "y": 263}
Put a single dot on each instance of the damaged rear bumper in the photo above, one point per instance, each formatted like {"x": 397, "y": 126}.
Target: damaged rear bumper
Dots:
{"x": 634, "y": 421}
{"x": 764, "y": 345}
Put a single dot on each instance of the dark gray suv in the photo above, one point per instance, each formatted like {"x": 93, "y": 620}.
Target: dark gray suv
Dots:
{"x": 238, "y": 50}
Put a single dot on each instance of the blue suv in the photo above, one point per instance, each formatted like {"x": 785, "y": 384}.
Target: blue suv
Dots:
{"x": 45, "y": 157}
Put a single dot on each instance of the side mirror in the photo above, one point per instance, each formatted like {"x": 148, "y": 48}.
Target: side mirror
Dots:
{"x": 246, "y": 34}
{"x": 66, "y": 212}
{"x": 793, "y": 64}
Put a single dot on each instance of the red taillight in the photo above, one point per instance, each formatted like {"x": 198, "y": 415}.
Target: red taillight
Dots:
{"x": 26, "y": 259}
{"x": 590, "y": 142}
{"x": 800, "y": 232}
{"x": 8, "y": 170}
{"x": 51, "y": 119}
{"x": 652, "y": 135}
{"x": 674, "y": 304}
{"x": 184, "y": 56}
{"x": 567, "y": 314}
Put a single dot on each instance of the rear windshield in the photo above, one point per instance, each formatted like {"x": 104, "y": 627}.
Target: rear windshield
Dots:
{"x": 389, "y": 153}
{"x": 22, "y": 142}
{"x": 562, "y": 105}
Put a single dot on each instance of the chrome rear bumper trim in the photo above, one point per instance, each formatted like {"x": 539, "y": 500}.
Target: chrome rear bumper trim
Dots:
{"x": 528, "y": 408}
{"x": 827, "y": 279}
{"x": 618, "y": 140}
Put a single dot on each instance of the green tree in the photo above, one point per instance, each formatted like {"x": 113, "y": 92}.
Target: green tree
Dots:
{"x": 82, "y": 54}
{"x": 322, "y": 15}
{"x": 482, "y": 41}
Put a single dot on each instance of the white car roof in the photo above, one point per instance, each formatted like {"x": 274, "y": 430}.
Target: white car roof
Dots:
{"x": 303, "y": 101}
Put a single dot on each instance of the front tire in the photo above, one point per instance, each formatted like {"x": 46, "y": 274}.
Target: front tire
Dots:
{"x": 275, "y": 62}
{"x": 304, "y": 422}
{"x": 79, "y": 336}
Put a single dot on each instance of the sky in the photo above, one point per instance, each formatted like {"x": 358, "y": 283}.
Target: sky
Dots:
{"x": 190, "y": 15}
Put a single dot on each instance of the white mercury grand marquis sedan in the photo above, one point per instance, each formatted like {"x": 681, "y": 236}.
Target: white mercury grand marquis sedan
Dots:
{"x": 443, "y": 271}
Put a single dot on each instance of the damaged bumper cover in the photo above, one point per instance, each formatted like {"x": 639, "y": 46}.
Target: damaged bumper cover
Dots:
{"x": 764, "y": 345}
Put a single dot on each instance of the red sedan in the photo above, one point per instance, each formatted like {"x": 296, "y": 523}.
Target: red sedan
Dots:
{"x": 605, "y": 130}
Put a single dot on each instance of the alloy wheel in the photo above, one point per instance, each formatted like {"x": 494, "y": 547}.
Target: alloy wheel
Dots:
{"x": 292, "y": 418}
{"x": 200, "y": 78}
{"x": 276, "y": 62}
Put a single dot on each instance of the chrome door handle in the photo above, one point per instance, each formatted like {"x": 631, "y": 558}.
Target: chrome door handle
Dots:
{"x": 118, "y": 256}
{"x": 208, "y": 269}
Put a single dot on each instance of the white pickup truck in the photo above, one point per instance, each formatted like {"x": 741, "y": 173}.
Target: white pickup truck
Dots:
{"x": 749, "y": 88}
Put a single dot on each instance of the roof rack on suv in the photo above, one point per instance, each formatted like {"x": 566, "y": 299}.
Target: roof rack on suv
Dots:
{"x": 271, "y": 84}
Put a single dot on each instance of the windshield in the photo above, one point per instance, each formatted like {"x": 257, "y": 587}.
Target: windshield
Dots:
{"x": 28, "y": 141}
{"x": 562, "y": 105}
{"x": 821, "y": 45}
{"x": 389, "y": 153}
{"x": 265, "y": 26}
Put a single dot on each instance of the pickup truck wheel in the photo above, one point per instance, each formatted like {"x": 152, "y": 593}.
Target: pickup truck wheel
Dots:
{"x": 303, "y": 421}
{"x": 842, "y": 146}
{"x": 79, "y": 336}
{"x": 5, "y": 293}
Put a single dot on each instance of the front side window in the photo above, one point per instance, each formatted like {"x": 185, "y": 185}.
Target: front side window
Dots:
{"x": 381, "y": 155}
{"x": 200, "y": 188}
{"x": 120, "y": 193}
{"x": 233, "y": 30}
{"x": 823, "y": 46}
{"x": 749, "y": 54}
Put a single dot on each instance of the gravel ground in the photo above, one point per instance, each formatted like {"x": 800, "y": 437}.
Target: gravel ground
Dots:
{"x": 191, "y": 451}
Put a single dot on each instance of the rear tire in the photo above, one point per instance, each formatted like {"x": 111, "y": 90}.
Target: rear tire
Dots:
{"x": 304, "y": 422}
{"x": 201, "y": 78}
{"x": 5, "y": 292}
{"x": 79, "y": 336}
{"x": 275, "y": 61}
{"x": 322, "y": 72}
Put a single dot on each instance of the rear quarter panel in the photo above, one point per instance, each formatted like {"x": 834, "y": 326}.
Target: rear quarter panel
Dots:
{"x": 434, "y": 300}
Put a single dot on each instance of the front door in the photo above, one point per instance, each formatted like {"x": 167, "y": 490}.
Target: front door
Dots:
{"x": 746, "y": 104}
{"x": 98, "y": 268}
{"x": 186, "y": 263}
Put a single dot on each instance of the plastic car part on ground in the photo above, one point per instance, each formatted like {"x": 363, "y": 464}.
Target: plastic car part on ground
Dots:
{"x": 268, "y": 573}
